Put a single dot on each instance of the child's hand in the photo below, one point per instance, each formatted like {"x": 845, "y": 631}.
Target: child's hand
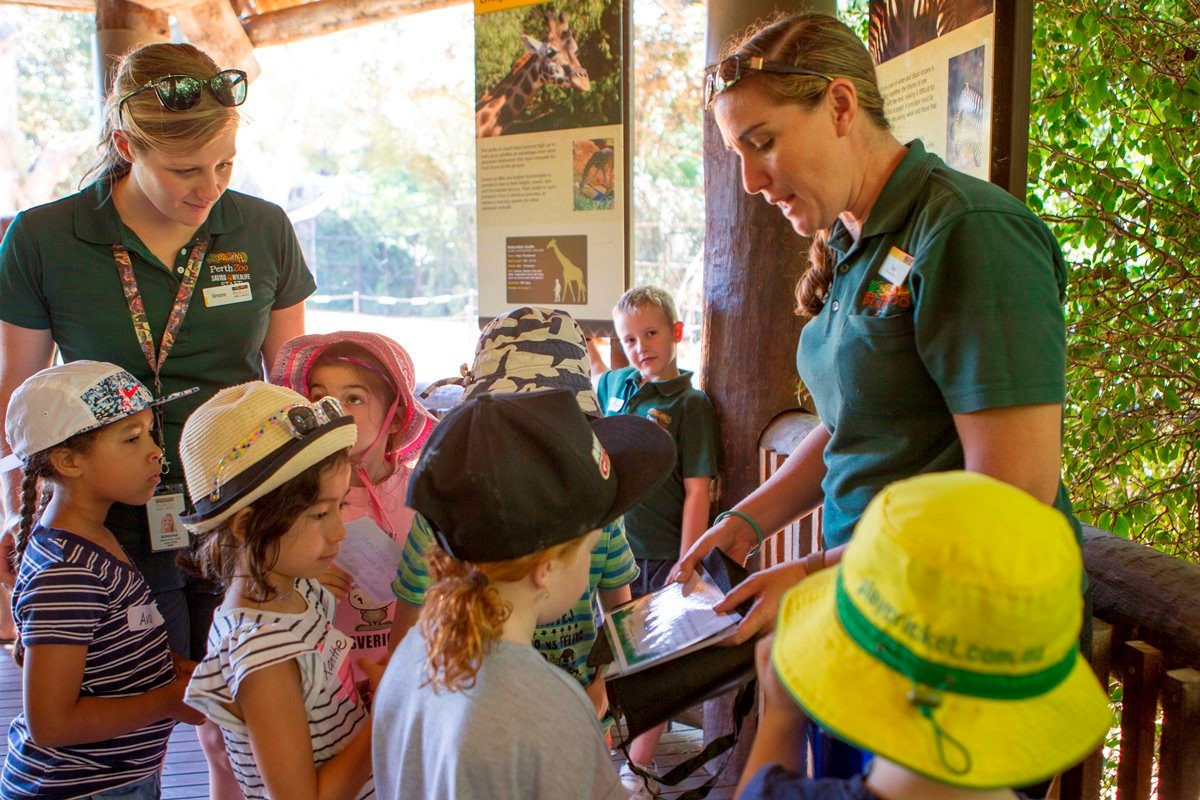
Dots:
{"x": 179, "y": 710}
{"x": 337, "y": 581}
{"x": 597, "y": 693}
{"x": 374, "y": 671}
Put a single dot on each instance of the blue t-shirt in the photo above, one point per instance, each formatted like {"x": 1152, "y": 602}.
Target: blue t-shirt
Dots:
{"x": 74, "y": 592}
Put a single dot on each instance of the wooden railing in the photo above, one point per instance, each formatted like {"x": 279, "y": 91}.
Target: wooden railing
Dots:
{"x": 1145, "y": 636}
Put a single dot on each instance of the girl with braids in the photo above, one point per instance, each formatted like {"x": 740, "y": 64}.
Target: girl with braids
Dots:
{"x": 102, "y": 689}
{"x": 516, "y": 489}
{"x": 158, "y": 266}
{"x": 936, "y": 338}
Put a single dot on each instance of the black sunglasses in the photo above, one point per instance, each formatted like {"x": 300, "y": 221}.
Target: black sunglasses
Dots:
{"x": 720, "y": 76}
{"x": 182, "y": 92}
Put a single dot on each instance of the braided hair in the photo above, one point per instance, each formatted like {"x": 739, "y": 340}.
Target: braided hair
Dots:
{"x": 39, "y": 471}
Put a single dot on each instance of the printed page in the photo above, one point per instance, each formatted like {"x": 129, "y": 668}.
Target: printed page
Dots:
{"x": 371, "y": 558}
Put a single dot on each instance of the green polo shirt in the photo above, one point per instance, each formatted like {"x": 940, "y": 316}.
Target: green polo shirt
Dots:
{"x": 655, "y": 525}
{"x": 57, "y": 272}
{"x": 975, "y": 323}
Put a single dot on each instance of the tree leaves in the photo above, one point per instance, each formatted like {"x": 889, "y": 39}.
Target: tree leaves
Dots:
{"x": 1114, "y": 170}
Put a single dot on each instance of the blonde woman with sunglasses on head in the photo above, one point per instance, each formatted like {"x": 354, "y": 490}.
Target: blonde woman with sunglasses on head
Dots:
{"x": 156, "y": 267}
{"x": 936, "y": 338}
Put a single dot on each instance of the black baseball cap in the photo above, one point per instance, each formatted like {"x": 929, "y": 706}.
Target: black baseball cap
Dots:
{"x": 504, "y": 476}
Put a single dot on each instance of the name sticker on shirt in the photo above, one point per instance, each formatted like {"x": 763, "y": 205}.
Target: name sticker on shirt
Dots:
{"x": 615, "y": 404}
{"x": 227, "y": 295}
{"x": 144, "y": 618}
{"x": 896, "y": 266}
{"x": 335, "y": 652}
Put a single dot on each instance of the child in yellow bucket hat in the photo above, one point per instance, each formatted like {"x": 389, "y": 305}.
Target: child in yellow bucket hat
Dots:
{"x": 945, "y": 642}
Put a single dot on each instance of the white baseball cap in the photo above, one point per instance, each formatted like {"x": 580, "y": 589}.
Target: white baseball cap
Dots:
{"x": 57, "y": 403}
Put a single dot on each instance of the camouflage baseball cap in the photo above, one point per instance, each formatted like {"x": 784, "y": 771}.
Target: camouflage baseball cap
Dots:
{"x": 529, "y": 349}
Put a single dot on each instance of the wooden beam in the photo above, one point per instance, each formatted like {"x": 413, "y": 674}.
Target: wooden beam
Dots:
{"x": 58, "y": 5}
{"x": 212, "y": 26}
{"x": 329, "y": 16}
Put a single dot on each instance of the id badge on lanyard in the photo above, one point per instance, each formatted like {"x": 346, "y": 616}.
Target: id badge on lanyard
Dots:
{"x": 164, "y": 509}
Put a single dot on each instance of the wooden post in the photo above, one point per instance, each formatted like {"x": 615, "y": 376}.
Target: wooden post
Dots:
{"x": 1142, "y": 680}
{"x": 1082, "y": 782}
{"x": 752, "y": 261}
{"x": 213, "y": 26}
{"x": 1179, "y": 767}
{"x": 122, "y": 26}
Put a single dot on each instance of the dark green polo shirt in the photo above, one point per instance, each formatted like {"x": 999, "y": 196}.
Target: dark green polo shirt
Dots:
{"x": 654, "y": 526}
{"x": 976, "y": 323}
{"x": 57, "y": 272}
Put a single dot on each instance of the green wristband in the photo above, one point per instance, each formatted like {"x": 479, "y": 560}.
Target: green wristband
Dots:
{"x": 743, "y": 515}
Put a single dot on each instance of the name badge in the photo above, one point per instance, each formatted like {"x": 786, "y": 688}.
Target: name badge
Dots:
{"x": 163, "y": 512}
{"x": 335, "y": 654}
{"x": 615, "y": 404}
{"x": 143, "y": 618}
{"x": 896, "y": 266}
{"x": 227, "y": 294}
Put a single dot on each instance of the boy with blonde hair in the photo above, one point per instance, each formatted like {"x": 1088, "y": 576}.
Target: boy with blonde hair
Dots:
{"x": 664, "y": 525}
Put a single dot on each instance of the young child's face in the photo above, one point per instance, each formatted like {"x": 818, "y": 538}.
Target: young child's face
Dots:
{"x": 649, "y": 342}
{"x": 360, "y": 400}
{"x": 569, "y": 580}
{"x": 123, "y": 464}
{"x": 310, "y": 545}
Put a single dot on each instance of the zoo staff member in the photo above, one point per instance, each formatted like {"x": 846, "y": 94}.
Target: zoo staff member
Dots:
{"x": 936, "y": 337}
{"x": 157, "y": 268}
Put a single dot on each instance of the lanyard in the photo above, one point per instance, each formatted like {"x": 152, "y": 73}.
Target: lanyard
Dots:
{"x": 141, "y": 325}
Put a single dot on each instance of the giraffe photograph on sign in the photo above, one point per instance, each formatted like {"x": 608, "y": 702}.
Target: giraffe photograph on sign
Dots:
{"x": 594, "y": 174}
{"x": 547, "y": 270}
{"x": 550, "y": 66}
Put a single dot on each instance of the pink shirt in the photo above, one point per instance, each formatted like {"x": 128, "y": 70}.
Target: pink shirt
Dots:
{"x": 359, "y": 617}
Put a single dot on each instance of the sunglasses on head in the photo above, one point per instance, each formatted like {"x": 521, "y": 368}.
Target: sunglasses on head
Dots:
{"x": 720, "y": 76}
{"x": 300, "y": 420}
{"x": 182, "y": 92}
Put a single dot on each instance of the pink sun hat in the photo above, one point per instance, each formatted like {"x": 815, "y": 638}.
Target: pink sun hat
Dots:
{"x": 298, "y": 356}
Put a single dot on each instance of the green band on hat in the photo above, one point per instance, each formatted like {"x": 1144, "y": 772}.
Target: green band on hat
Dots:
{"x": 939, "y": 676}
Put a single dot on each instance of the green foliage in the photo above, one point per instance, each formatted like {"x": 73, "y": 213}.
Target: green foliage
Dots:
{"x": 596, "y": 26}
{"x": 55, "y": 97}
{"x": 1114, "y": 170}
{"x": 668, "y": 165}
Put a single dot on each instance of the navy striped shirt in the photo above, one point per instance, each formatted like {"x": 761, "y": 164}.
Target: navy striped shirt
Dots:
{"x": 74, "y": 592}
{"x": 244, "y": 640}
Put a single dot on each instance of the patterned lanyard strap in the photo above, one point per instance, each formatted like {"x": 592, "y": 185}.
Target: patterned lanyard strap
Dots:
{"x": 141, "y": 325}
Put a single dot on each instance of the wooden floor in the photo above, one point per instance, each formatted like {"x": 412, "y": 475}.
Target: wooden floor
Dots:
{"x": 186, "y": 777}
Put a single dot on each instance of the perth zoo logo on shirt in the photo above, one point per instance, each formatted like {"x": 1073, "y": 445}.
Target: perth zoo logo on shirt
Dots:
{"x": 661, "y": 417}
{"x": 228, "y": 267}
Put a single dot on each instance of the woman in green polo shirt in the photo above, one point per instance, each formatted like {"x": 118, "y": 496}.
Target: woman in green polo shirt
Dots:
{"x": 155, "y": 266}
{"x": 936, "y": 338}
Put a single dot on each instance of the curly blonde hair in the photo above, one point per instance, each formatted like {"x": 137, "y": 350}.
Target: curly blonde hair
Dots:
{"x": 464, "y": 615}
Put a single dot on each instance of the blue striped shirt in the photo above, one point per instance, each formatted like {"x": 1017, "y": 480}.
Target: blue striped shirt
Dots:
{"x": 74, "y": 592}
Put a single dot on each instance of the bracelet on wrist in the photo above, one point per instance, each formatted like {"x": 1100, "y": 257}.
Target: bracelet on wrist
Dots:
{"x": 753, "y": 525}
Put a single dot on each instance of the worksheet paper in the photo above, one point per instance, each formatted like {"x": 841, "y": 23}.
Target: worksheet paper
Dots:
{"x": 370, "y": 556}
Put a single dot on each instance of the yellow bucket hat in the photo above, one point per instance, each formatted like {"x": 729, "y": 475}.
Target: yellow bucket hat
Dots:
{"x": 946, "y": 640}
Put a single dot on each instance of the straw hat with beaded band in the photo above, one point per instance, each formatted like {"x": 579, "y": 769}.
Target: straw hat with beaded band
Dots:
{"x": 946, "y": 640}
{"x": 237, "y": 447}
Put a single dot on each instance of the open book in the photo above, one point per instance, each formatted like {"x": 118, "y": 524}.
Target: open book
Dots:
{"x": 675, "y": 620}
